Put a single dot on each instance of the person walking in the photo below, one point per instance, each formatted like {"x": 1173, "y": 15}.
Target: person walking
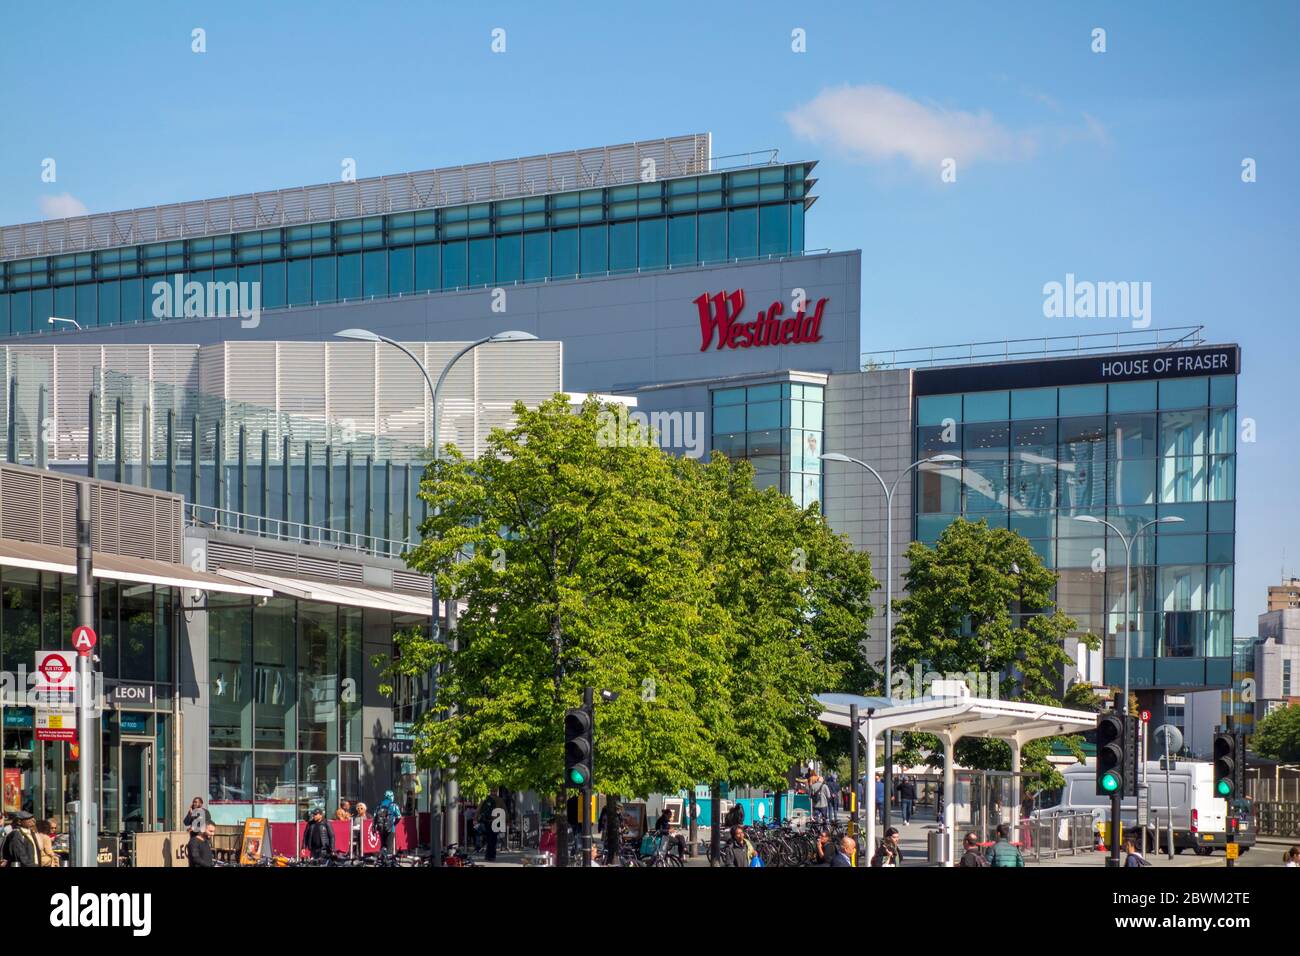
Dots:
{"x": 487, "y": 825}
{"x": 1292, "y": 856}
{"x": 199, "y": 849}
{"x": 198, "y": 818}
{"x": 1135, "y": 857}
{"x": 907, "y": 797}
{"x": 889, "y": 853}
{"x": 820, "y": 799}
{"x": 972, "y": 857}
{"x": 844, "y": 855}
{"x": 318, "y": 838}
{"x": 20, "y": 847}
{"x": 1003, "y": 853}
{"x": 833, "y": 794}
{"x": 736, "y": 852}
{"x": 45, "y": 843}
{"x": 385, "y": 823}
{"x": 880, "y": 799}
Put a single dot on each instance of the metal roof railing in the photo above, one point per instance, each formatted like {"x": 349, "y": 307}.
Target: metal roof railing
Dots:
{"x": 448, "y": 186}
{"x": 1016, "y": 350}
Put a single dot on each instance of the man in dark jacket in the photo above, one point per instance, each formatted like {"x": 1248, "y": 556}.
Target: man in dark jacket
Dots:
{"x": 735, "y": 853}
{"x": 199, "y": 849}
{"x": 844, "y": 857}
{"x": 1003, "y": 852}
{"x": 20, "y": 845}
{"x": 318, "y": 838}
{"x": 972, "y": 857}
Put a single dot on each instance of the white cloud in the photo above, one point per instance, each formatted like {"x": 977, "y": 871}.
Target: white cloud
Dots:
{"x": 876, "y": 123}
{"x": 62, "y": 206}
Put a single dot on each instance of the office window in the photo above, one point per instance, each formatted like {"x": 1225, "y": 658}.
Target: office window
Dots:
{"x": 681, "y": 240}
{"x": 595, "y": 252}
{"x": 273, "y": 288}
{"x": 713, "y": 236}
{"x": 652, "y": 239}
{"x": 564, "y": 253}
{"x": 744, "y": 234}
{"x": 622, "y": 246}
{"x": 400, "y": 276}
{"x": 480, "y": 261}
{"x": 774, "y": 230}
{"x": 454, "y": 264}
{"x": 324, "y": 284}
{"x": 509, "y": 256}
{"x": 299, "y": 282}
{"x": 537, "y": 256}
{"x": 349, "y": 267}
{"x": 427, "y": 271}
{"x": 375, "y": 273}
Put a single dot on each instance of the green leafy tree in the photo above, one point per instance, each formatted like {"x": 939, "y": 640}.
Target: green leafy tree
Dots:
{"x": 576, "y": 571}
{"x": 793, "y": 600}
{"x": 1278, "y": 735}
{"x": 980, "y": 602}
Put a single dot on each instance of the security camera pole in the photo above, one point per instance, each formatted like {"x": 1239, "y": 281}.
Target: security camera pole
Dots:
{"x": 83, "y": 640}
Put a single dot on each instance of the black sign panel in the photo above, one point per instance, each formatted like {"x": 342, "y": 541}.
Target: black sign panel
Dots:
{"x": 399, "y": 746}
{"x": 131, "y": 695}
{"x": 1125, "y": 367}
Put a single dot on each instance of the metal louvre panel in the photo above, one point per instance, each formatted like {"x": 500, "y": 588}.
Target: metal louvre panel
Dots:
{"x": 402, "y": 398}
{"x": 350, "y": 382}
{"x": 67, "y": 508}
{"x": 126, "y": 377}
{"x": 174, "y": 371}
{"x": 20, "y": 506}
{"x": 230, "y": 556}
{"x": 33, "y": 367}
{"x": 408, "y": 581}
{"x": 75, "y": 375}
{"x": 510, "y": 372}
{"x": 104, "y": 506}
{"x": 136, "y": 516}
{"x": 457, "y": 405}
{"x": 250, "y": 380}
{"x": 302, "y": 388}
{"x": 674, "y": 156}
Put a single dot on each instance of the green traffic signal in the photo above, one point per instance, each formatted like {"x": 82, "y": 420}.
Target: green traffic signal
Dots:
{"x": 1224, "y": 787}
{"x": 1109, "y": 782}
{"x": 577, "y": 777}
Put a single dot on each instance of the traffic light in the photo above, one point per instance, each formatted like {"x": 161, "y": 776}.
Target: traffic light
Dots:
{"x": 1112, "y": 738}
{"x": 577, "y": 747}
{"x": 1229, "y": 764}
{"x": 1133, "y": 726}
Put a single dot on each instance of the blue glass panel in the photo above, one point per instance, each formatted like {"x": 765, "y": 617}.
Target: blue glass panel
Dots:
{"x": 87, "y": 302}
{"x": 796, "y": 227}
{"x": 350, "y": 276}
{"x": 936, "y": 409}
{"x": 1183, "y": 392}
{"x": 622, "y": 247}
{"x": 455, "y": 264}
{"x": 324, "y": 285}
{"x": 65, "y": 302}
{"x": 480, "y": 262}
{"x": 985, "y": 406}
{"x": 375, "y": 273}
{"x": 4, "y": 314}
{"x": 1082, "y": 400}
{"x": 653, "y": 241}
{"x": 1132, "y": 396}
{"x": 110, "y": 311}
{"x": 595, "y": 251}
{"x": 564, "y": 253}
{"x": 400, "y": 277}
{"x": 1033, "y": 403}
{"x": 713, "y": 236}
{"x": 744, "y": 234}
{"x": 273, "y": 286}
{"x": 774, "y": 230}
{"x": 43, "y": 307}
{"x": 1223, "y": 390}
{"x": 299, "y": 285}
{"x": 537, "y": 256}
{"x": 509, "y": 258}
{"x": 681, "y": 240}
{"x": 427, "y": 272}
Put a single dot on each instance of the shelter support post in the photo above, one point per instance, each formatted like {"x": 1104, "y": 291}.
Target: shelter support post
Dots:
{"x": 1014, "y": 741}
{"x": 869, "y": 790}
{"x": 949, "y": 796}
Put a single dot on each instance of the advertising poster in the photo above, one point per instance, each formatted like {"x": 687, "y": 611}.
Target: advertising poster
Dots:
{"x": 13, "y": 799}
{"x": 250, "y": 845}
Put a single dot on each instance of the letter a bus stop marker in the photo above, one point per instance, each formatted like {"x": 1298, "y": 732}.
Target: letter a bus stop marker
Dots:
{"x": 83, "y": 640}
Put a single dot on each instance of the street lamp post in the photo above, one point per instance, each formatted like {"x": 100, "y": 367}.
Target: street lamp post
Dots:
{"x": 451, "y": 788}
{"x": 1116, "y": 798}
{"x": 889, "y": 490}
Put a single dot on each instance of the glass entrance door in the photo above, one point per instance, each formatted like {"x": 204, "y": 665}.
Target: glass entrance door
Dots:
{"x": 137, "y": 785}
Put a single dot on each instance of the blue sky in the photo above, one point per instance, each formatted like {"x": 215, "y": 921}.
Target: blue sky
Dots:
{"x": 1122, "y": 165}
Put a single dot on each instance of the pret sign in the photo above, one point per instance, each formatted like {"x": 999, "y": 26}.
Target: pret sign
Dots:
{"x": 83, "y": 639}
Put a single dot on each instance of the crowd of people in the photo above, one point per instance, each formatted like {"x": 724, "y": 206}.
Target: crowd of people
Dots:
{"x": 27, "y": 841}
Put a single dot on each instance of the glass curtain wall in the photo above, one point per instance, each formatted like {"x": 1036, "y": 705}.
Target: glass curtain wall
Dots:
{"x": 778, "y": 428}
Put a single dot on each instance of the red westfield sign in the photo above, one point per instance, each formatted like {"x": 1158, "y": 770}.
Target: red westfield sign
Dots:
{"x": 719, "y": 314}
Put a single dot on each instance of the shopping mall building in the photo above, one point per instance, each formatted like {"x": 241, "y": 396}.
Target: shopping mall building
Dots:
{"x": 280, "y": 463}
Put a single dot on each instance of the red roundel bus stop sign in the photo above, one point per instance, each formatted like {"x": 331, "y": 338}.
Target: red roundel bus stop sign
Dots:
{"x": 83, "y": 640}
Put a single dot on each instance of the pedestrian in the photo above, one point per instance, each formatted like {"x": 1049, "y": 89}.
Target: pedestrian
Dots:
{"x": 1292, "y": 856}
{"x": 318, "y": 838}
{"x": 889, "y": 853}
{"x": 820, "y": 799}
{"x": 938, "y": 802}
{"x": 1135, "y": 857}
{"x": 487, "y": 825}
{"x": 880, "y": 799}
{"x": 20, "y": 847}
{"x": 907, "y": 797}
{"x": 972, "y": 857}
{"x": 197, "y": 820}
{"x": 833, "y": 794}
{"x": 844, "y": 855}
{"x": 344, "y": 812}
{"x": 665, "y": 818}
{"x": 1003, "y": 852}
{"x": 736, "y": 853}
{"x": 199, "y": 849}
{"x": 385, "y": 822}
{"x": 45, "y": 843}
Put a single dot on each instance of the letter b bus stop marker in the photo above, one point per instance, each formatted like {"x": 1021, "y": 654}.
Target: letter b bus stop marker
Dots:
{"x": 83, "y": 640}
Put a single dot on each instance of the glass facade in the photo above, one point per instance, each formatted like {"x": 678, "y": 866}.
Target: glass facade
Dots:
{"x": 1035, "y": 459}
{"x": 641, "y": 226}
{"x": 778, "y": 427}
{"x": 136, "y": 624}
{"x": 285, "y": 685}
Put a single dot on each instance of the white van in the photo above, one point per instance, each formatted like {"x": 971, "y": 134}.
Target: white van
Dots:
{"x": 1200, "y": 818}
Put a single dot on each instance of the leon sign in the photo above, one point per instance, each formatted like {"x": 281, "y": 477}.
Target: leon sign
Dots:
{"x": 720, "y": 318}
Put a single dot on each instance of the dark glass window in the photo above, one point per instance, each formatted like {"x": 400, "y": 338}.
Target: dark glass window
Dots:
{"x": 681, "y": 240}
{"x": 509, "y": 258}
{"x": 324, "y": 285}
{"x": 480, "y": 262}
{"x": 595, "y": 254}
{"x": 744, "y": 233}
{"x": 299, "y": 282}
{"x": 375, "y": 273}
{"x": 713, "y": 236}
{"x": 350, "y": 276}
{"x": 273, "y": 674}
{"x": 564, "y": 253}
{"x": 537, "y": 255}
{"x": 426, "y": 268}
{"x": 454, "y": 263}
{"x": 774, "y": 230}
{"x": 622, "y": 247}
{"x": 653, "y": 242}
{"x": 273, "y": 288}
{"x": 137, "y": 632}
